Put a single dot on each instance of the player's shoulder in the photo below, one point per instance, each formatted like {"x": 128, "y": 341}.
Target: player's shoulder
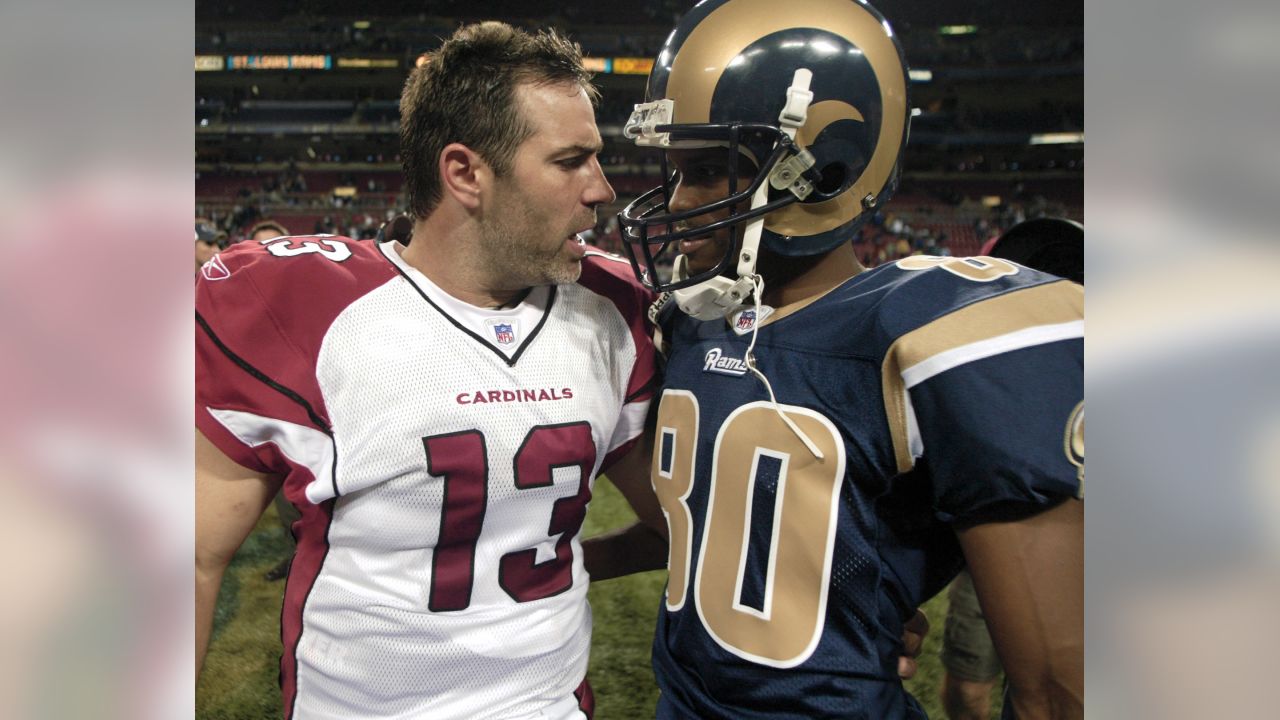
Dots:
{"x": 600, "y": 267}
{"x": 921, "y": 290}
{"x": 299, "y": 282}
{"x": 611, "y": 276}
{"x": 297, "y": 259}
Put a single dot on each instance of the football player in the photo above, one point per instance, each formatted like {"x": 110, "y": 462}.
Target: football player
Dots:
{"x": 833, "y": 443}
{"x": 437, "y": 412}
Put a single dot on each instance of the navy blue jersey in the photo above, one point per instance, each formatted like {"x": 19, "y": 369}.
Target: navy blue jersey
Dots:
{"x": 940, "y": 393}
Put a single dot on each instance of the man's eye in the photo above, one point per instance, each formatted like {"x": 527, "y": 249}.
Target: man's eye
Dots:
{"x": 707, "y": 173}
{"x": 573, "y": 162}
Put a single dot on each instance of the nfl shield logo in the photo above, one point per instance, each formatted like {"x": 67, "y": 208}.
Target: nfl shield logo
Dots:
{"x": 746, "y": 319}
{"x": 504, "y": 334}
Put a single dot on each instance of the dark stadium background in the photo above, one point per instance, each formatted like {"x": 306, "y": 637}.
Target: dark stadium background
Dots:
{"x": 296, "y": 121}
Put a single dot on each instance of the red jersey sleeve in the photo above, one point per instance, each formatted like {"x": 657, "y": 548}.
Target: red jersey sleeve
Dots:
{"x": 261, "y": 315}
{"x": 611, "y": 276}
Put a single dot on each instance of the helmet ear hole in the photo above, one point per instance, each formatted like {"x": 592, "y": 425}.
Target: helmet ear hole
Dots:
{"x": 833, "y": 179}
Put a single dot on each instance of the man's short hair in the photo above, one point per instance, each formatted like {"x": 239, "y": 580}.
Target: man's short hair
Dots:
{"x": 267, "y": 225}
{"x": 465, "y": 93}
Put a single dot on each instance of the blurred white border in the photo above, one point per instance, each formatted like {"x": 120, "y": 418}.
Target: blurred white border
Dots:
{"x": 1182, "y": 587}
{"x": 96, "y": 200}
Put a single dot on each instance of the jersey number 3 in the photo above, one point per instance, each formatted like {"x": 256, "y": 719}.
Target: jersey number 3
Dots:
{"x": 288, "y": 246}
{"x": 764, "y": 562}
{"x": 461, "y": 458}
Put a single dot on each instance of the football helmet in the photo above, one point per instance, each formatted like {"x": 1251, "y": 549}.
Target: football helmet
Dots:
{"x": 811, "y": 93}
{"x": 1052, "y": 245}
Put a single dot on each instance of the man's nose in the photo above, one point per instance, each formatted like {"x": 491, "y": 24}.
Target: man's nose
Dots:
{"x": 682, "y": 198}
{"x": 599, "y": 191}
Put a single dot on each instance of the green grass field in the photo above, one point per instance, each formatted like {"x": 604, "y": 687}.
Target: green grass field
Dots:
{"x": 240, "y": 680}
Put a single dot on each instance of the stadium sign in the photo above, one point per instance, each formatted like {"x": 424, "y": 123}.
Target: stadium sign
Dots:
{"x": 364, "y": 62}
{"x": 279, "y": 62}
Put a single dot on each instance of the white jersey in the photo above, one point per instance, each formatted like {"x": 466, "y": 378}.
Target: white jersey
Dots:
{"x": 442, "y": 460}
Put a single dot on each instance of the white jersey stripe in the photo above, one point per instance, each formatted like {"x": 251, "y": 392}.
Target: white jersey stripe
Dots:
{"x": 303, "y": 445}
{"x": 630, "y": 424}
{"x": 915, "y": 442}
{"x": 955, "y": 357}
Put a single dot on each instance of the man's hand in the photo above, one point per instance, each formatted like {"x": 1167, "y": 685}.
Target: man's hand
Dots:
{"x": 638, "y": 547}
{"x": 912, "y": 643}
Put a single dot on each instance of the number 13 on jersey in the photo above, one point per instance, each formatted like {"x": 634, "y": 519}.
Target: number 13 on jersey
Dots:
{"x": 761, "y": 475}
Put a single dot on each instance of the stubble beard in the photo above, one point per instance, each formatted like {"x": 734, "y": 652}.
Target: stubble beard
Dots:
{"x": 510, "y": 247}
{"x": 510, "y": 250}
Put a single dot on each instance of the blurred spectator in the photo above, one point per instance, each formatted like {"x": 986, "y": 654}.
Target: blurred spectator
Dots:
{"x": 326, "y": 226}
{"x": 209, "y": 240}
{"x": 266, "y": 230}
{"x": 971, "y": 666}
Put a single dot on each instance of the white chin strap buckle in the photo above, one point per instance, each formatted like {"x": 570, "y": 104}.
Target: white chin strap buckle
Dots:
{"x": 714, "y": 298}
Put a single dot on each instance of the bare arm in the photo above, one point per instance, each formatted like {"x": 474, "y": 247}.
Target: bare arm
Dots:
{"x": 1029, "y": 576}
{"x": 229, "y": 501}
{"x": 642, "y": 545}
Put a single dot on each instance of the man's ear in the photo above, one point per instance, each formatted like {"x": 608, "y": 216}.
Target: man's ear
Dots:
{"x": 463, "y": 174}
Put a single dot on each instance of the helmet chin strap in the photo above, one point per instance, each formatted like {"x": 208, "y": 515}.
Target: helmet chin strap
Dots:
{"x": 721, "y": 296}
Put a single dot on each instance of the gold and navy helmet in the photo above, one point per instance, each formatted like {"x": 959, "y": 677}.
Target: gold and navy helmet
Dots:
{"x": 727, "y": 77}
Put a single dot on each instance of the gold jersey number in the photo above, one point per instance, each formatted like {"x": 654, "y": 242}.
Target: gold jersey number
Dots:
{"x": 979, "y": 268}
{"x": 786, "y": 626}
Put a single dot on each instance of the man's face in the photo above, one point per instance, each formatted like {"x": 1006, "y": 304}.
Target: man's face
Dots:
{"x": 702, "y": 178}
{"x": 529, "y": 234}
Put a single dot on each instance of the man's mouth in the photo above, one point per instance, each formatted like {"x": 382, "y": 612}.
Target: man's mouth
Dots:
{"x": 689, "y": 245}
{"x": 576, "y": 243}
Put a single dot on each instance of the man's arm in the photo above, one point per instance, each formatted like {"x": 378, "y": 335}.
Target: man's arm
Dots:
{"x": 642, "y": 545}
{"x": 1029, "y": 576}
{"x": 229, "y": 501}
